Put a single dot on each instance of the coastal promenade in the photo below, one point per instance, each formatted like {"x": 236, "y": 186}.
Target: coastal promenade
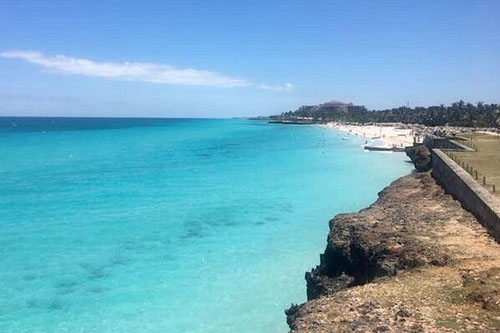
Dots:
{"x": 483, "y": 158}
{"x": 467, "y": 190}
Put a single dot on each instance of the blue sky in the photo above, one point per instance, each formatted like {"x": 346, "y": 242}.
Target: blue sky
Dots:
{"x": 238, "y": 58}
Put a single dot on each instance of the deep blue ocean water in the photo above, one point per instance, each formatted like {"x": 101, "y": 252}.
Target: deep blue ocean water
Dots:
{"x": 157, "y": 225}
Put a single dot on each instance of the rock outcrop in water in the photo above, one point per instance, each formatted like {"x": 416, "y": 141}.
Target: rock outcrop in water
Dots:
{"x": 414, "y": 261}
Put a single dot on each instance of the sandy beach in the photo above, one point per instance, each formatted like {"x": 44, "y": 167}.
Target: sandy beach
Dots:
{"x": 385, "y": 135}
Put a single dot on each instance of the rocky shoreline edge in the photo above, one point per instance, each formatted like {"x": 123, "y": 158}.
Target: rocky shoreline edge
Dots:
{"x": 414, "y": 261}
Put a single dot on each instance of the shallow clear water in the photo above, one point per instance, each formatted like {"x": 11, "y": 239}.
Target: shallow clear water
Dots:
{"x": 169, "y": 225}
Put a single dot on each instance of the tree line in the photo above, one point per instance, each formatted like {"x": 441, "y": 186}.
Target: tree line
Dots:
{"x": 457, "y": 114}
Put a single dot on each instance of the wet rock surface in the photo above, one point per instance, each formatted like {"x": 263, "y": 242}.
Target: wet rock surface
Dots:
{"x": 408, "y": 263}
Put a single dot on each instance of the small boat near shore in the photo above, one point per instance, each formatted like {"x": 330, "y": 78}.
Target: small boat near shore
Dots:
{"x": 383, "y": 148}
{"x": 291, "y": 122}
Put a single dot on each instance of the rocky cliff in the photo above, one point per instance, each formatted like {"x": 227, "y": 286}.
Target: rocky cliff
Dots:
{"x": 414, "y": 261}
{"x": 421, "y": 157}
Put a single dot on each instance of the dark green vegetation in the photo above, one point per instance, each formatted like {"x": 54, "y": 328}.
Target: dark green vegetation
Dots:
{"x": 457, "y": 114}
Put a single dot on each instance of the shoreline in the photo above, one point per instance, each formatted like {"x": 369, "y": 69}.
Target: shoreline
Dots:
{"x": 378, "y": 135}
{"x": 414, "y": 260}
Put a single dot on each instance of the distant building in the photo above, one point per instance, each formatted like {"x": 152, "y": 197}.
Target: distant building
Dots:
{"x": 336, "y": 107}
{"x": 328, "y": 110}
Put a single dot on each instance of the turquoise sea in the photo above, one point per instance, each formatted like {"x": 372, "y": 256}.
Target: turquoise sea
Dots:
{"x": 158, "y": 225}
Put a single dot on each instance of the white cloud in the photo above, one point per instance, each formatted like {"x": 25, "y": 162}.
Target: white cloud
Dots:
{"x": 135, "y": 71}
{"x": 285, "y": 87}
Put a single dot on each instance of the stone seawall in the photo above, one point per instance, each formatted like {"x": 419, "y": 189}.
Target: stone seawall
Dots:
{"x": 444, "y": 143}
{"x": 473, "y": 197}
